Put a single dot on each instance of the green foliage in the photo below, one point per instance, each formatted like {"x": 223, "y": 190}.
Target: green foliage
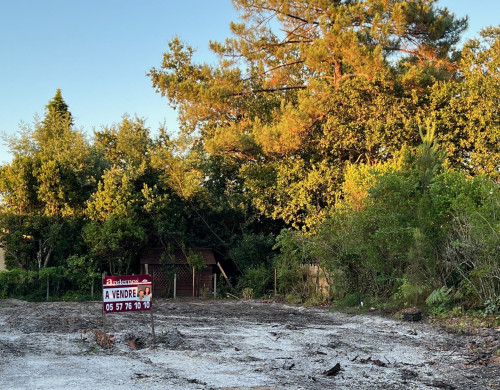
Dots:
{"x": 82, "y": 273}
{"x": 411, "y": 294}
{"x": 114, "y": 233}
{"x": 32, "y": 285}
{"x": 304, "y": 88}
{"x": 465, "y": 110}
{"x": 252, "y": 250}
{"x": 114, "y": 243}
{"x": 44, "y": 190}
{"x": 195, "y": 260}
{"x": 440, "y": 299}
{"x": 258, "y": 280}
{"x": 403, "y": 230}
{"x": 126, "y": 145}
{"x": 78, "y": 296}
{"x": 439, "y": 296}
{"x": 11, "y": 283}
{"x": 470, "y": 252}
{"x": 310, "y": 120}
{"x": 353, "y": 299}
{"x": 18, "y": 186}
{"x": 57, "y": 109}
{"x": 492, "y": 306}
{"x": 290, "y": 264}
{"x": 247, "y": 293}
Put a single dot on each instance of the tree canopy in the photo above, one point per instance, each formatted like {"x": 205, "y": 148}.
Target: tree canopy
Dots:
{"x": 356, "y": 134}
{"x": 304, "y": 87}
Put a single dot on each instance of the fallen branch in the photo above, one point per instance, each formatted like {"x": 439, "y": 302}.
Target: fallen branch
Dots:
{"x": 231, "y": 295}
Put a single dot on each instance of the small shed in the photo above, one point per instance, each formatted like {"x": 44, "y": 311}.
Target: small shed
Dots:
{"x": 171, "y": 271}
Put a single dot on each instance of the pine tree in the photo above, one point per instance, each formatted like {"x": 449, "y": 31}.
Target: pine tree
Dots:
{"x": 305, "y": 87}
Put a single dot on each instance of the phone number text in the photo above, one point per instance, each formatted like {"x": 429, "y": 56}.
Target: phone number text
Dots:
{"x": 126, "y": 306}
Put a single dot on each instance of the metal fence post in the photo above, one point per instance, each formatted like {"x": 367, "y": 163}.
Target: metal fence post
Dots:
{"x": 215, "y": 285}
{"x": 175, "y": 285}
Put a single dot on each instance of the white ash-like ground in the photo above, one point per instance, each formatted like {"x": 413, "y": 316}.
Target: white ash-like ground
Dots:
{"x": 233, "y": 345}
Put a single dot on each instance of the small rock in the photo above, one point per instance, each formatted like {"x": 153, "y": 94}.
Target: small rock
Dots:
{"x": 412, "y": 314}
{"x": 333, "y": 371}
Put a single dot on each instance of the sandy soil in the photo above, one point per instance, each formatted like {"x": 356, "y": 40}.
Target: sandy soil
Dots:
{"x": 235, "y": 345}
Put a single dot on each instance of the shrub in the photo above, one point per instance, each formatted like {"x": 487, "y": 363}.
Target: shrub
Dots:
{"x": 439, "y": 300}
{"x": 258, "y": 280}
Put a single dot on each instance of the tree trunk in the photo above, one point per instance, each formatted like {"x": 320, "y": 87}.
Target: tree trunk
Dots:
{"x": 338, "y": 73}
{"x": 47, "y": 256}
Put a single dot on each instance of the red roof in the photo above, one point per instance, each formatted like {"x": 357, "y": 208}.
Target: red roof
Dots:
{"x": 178, "y": 256}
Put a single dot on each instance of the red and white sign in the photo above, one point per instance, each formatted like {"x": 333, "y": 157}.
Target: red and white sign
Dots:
{"x": 126, "y": 293}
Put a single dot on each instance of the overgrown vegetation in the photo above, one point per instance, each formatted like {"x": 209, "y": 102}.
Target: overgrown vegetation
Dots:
{"x": 353, "y": 135}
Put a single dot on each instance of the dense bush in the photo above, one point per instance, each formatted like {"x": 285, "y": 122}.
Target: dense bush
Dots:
{"x": 61, "y": 284}
{"x": 258, "y": 280}
{"x": 406, "y": 232}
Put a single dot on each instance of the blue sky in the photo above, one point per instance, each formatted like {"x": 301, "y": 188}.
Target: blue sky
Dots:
{"x": 99, "y": 51}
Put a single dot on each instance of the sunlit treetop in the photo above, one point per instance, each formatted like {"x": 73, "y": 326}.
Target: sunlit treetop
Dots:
{"x": 276, "y": 76}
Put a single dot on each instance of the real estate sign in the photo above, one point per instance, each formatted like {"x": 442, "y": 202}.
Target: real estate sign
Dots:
{"x": 126, "y": 293}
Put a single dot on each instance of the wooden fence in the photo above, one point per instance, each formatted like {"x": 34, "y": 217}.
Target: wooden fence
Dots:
{"x": 317, "y": 279}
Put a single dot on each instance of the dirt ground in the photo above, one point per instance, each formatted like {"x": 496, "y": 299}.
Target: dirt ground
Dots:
{"x": 235, "y": 345}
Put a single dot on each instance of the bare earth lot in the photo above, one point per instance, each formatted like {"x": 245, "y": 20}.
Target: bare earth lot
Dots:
{"x": 235, "y": 345}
